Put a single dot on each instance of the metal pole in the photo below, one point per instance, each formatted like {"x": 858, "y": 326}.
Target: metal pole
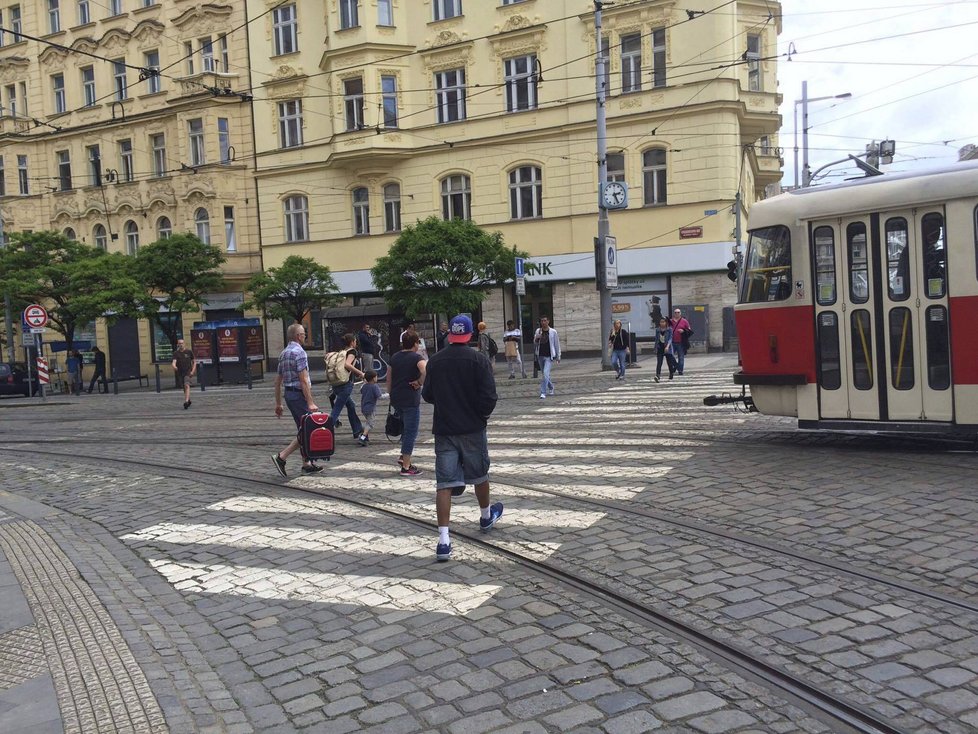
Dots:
{"x": 159, "y": 387}
{"x": 519, "y": 323}
{"x": 37, "y": 349}
{"x": 796, "y": 143}
{"x": 604, "y": 228}
{"x": 806, "y": 176}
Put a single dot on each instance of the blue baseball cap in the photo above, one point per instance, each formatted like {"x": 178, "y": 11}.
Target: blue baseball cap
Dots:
{"x": 460, "y": 330}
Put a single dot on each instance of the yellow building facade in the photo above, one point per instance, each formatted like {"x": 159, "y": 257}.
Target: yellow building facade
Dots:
{"x": 122, "y": 123}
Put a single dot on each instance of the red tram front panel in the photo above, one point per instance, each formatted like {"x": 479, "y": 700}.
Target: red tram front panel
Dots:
{"x": 777, "y": 341}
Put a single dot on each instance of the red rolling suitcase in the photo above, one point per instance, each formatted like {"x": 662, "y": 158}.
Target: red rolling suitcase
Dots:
{"x": 316, "y": 436}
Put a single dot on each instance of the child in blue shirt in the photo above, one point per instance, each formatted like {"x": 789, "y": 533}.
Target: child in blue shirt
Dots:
{"x": 370, "y": 393}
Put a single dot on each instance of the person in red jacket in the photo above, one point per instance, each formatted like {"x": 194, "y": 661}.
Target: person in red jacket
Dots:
{"x": 681, "y": 331}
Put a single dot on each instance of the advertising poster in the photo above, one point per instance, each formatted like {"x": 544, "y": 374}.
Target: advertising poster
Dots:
{"x": 254, "y": 342}
{"x": 227, "y": 345}
{"x": 202, "y": 346}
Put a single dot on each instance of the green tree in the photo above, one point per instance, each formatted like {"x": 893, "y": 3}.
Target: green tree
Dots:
{"x": 77, "y": 283}
{"x": 291, "y": 291}
{"x": 178, "y": 271}
{"x": 443, "y": 267}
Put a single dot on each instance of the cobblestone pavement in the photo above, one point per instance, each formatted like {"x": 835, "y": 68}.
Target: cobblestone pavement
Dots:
{"x": 200, "y": 600}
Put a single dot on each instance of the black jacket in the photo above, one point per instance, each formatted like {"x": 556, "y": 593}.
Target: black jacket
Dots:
{"x": 460, "y": 384}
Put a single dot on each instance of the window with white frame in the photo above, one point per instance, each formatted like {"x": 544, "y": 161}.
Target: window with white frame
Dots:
{"x": 296, "y": 218}
{"x": 188, "y": 55}
{"x": 521, "y": 83}
{"x": 447, "y": 8}
{"x": 132, "y": 237}
{"x": 163, "y": 228}
{"x": 84, "y": 13}
{"x": 754, "y": 83}
{"x": 654, "y": 177}
{"x": 54, "y": 16}
{"x": 58, "y": 84}
{"x": 22, "y": 178}
{"x": 450, "y": 95}
{"x": 230, "y": 236}
{"x": 349, "y": 16}
{"x": 64, "y": 170}
{"x": 659, "y": 57}
{"x": 606, "y": 53}
{"x": 631, "y": 63}
{"x": 94, "y": 155}
{"x": 353, "y": 103}
{"x": 207, "y": 54}
{"x": 88, "y": 85}
{"x": 154, "y": 82}
{"x": 15, "y": 22}
{"x": 11, "y": 90}
{"x": 202, "y": 221}
{"x": 616, "y": 166}
{"x": 361, "y": 211}
{"x": 22, "y": 91}
{"x": 290, "y": 123}
{"x": 119, "y": 75}
{"x": 225, "y": 59}
{"x": 195, "y": 129}
{"x": 100, "y": 237}
{"x": 158, "y": 142}
{"x": 126, "y": 170}
{"x": 3, "y": 33}
{"x": 224, "y": 139}
{"x": 385, "y": 13}
{"x": 456, "y": 197}
{"x": 285, "y": 30}
{"x": 392, "y": 207}
{"x": 115, "y": 7}
{"x": 388, "y": 88}
{"x": 149, "y": 3}
{"x": 526, "y": 193}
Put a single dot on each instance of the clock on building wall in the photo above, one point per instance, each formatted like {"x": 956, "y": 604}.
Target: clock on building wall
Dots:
{"x": 613, "y": 195}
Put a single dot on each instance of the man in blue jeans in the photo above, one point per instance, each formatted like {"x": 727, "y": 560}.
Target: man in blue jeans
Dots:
{"x": 293, "y": 378}
{"x": 546, "y": 350}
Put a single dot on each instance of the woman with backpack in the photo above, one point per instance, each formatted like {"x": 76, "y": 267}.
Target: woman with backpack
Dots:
{"x": 340, "y": 371}
{"x": 487, "y": 345}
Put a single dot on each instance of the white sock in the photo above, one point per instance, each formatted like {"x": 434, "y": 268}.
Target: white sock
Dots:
{"x": 443, "y": 535}
{"x": 485, "y": 512}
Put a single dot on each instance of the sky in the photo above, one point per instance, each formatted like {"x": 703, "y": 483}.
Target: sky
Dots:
{"x": 917, "y": 84}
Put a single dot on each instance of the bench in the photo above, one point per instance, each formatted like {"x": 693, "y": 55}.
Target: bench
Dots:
{"x": 127, "y": 378}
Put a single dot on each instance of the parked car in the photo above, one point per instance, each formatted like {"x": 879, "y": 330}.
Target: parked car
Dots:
{"x": 14, "y": 380}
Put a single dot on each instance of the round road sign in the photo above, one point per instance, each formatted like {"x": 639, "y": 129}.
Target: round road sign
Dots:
{"x": 36, "y": 316}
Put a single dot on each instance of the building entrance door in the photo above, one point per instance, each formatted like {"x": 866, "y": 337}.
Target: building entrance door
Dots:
{"x": 124, "y": 347}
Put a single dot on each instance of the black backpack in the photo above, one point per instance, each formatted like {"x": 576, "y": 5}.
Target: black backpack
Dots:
{"x": 493, "y": 349}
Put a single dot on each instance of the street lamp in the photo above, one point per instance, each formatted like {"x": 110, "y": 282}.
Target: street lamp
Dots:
{"x": 806, "y": 177}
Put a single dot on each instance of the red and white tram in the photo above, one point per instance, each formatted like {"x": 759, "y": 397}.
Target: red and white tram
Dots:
{"x": 858, "y": 303}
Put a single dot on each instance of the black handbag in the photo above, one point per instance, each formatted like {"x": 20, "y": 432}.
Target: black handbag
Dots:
{"x": 395, "y": 424}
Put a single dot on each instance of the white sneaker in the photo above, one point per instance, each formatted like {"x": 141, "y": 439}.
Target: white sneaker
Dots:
{"x": 543, "y": 396}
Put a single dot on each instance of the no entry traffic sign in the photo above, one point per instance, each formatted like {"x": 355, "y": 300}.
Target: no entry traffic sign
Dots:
{"x": 36, "y": 316}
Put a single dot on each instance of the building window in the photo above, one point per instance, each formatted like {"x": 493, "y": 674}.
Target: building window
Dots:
{"x": 225, "y": 62}
{"x": 58, "y": 82}
{"x": 22, "y": 91}
{"x": 15, "y": 22}
{"x": 447, "y": 9}
{"x": 224, "y": 139}
{"x": 754, "y": 63}
{"x": 119, "y": 74}
{"x": 512, "y": 2}
{"x": 3, "y": 178}
{"x": 361, "y": 211}
{"x": 385, "y": 13}
{"x": 196, "y": 130}
{"x": 296, "y": 219}
{"x": 163, "y": 228}
{"x": 659, "y": 57}
{"x": 290, "y": 123}
{"x": 99, "y": 235}
{"x": 456, "y": 197}
{"x": 132, "y": 237}
{"x": 115, "y": 8}
{"x": 230, "y": 237}
{"x": 353, "y": 101}
{"x": 631, "y": 63}
{"x": 606, "y": 53}
{"x": 154, "y": 82}
{"x": 188, "y": 54}
{"x": 206, "y": 54}
{"x": 616, "y": 166}
{"x": 84, "y": 13}
{"x": 64, "y": 170}
{"x": 159, "y": 154}
{"x": 765, "y": 145}
{"x": 3, "y": 33}
{"x": 388, "y": 87}
{"x": 284, "y": 25}
{"x": 450, "y": 95}
{"x": 202, "y": 221}
{"x": 654, "y": 176}
{"x": 392, "y": 207}
{"x": 22, "y": 178}
{"x": 349, "y": 17}
{"x": 149, "y": 3}
{"x": 88, "y": 85}
{"x": 526, "y": 193}
{"x": 12, "y": 99}
{"x": 69, "y": 234}
{"x": 54, "y": 15}
{"x": 127, "y": 173}
{"x": 94, "y": 165}
{"x": 521, "y": 83}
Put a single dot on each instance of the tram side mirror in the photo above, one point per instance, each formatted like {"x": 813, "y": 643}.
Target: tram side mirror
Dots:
{"x": 732, "y": 270}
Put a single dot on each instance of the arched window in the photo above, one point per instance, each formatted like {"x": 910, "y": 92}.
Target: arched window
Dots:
{"x": 525, "y": 192}
{"x": 132, "y": 237}
{"x": 163, "y": 228}
{"x": 70, "y": 233}
{"x": 654, "y": 177}
{"x": 203, "y": 222}
{"x": 101, "y": 240}
{"x": 296, "y": 218}
{"x": 456, "y": 197}
{"x": 361, "y": 211}
{"x": 392, "y": 207}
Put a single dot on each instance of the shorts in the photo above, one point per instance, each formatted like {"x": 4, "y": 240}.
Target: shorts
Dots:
{"x": 297, "y": 405}
{"x": 461, "y": 460}
{"x": 184, "y": 379}
{"x": 368, "y": 420}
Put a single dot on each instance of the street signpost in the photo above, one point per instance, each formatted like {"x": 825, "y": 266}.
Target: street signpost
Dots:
{"x": 36, "y": 318}
{"x": 520, "y": 271}
{"x": 610, "y": 262}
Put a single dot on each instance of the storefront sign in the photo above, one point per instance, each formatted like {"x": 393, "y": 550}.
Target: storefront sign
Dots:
{"x": 227, "y": 345}
{"x": 254, "y": 343}
{"x": 690, "y": 233}
{"x": 621, "y": 308}
{"x": 202, "y": 345}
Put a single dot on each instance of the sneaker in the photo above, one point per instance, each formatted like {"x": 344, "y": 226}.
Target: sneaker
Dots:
{"x": 550, "y": 391}
{"x": 411, "y": 471}
{"x": 443, "y": 552}
{"x": 458, "y": 491}
{"x": 311, "y": 468}
{"x": 656, "y": 378}
{"x": 495, "y": 512}
{"x": 337, "y": 424}
{"x": 186, "y": 404}
{"x": 670, "y": 377}
{"x": 279, "y": 464}
{"x": 512, "y": 377}
{"x": 363, "y": 440}
{"x": 543, "y": 396}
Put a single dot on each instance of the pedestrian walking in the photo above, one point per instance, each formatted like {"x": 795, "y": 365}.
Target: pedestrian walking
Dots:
{"x": 546, "y": 350}
{"x": 512, "y": 338}
{"x": 486, "y": 344}
{"x": 460, "y": 384}
{"x": 410, "y": 327}
{"x": 73, "y": 366}
{"x": 441, "y": 336}
{"x": 405, "y": 377}
{"x": 99, "y": 370}
{"x": 293, "y": 379}
{"x": 664, "y": 349}
{"x": 681, "y": 332}
{"x": 366, "y": 345}
{"x": 620, "y": 347}
{"x": 340, "y": 372}
{"x": 370, "y": 394}
{"x": 184, "y": 367}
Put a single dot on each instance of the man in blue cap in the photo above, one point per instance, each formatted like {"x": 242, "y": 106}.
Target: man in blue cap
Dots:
{"x": 460, "y": 384}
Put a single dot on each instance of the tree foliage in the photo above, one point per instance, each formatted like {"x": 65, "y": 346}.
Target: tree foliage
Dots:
{"x": 178, "y": 271}
{"x": 292, "y": 290}
{"x": 77, "y": 283}
{"x": 442, "y": 267}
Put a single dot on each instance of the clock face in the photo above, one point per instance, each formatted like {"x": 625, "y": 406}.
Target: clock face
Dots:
{"x": 614, "y": 194}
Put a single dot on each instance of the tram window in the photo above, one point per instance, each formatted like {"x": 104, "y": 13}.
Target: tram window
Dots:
{"x": 938, "y": 348}
{"x": 898, "y": 259}
{"x": 767, "y": 275}
{"x": 901, "y": 349}
{"x": 858, "y": 262}
{"x": 935, "y": 254}
{"x": 824, "y": 241}
{"x": 862, "y": 350}
{"x": 830, "y": 368}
